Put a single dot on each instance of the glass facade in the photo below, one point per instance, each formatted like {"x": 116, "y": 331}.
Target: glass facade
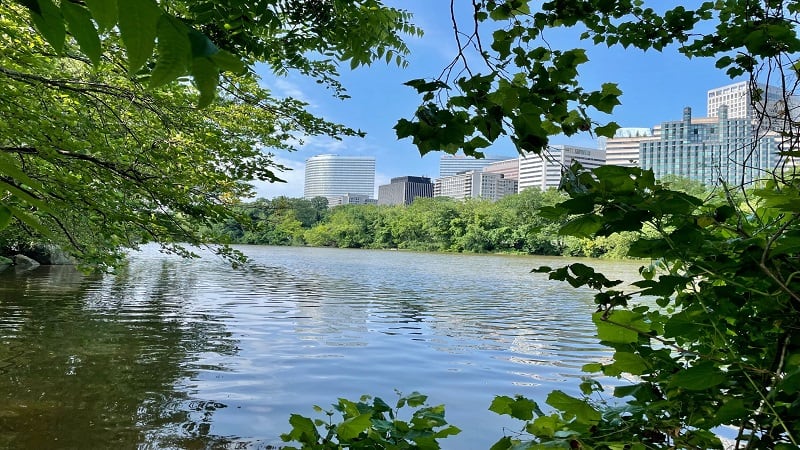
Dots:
{"x": 403, "y": 190}
{"x": 335, "y": 176}
{"x": 722, "y": 149}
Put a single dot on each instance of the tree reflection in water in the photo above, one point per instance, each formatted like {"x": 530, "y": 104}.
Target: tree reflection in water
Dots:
{"x": 104, "y": 362}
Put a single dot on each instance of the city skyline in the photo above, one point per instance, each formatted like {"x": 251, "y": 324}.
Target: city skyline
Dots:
{"x": 623, "y": 148}
{"x": 654, "y": 86}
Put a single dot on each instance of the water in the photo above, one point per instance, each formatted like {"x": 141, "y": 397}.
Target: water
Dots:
{"x": 175, "y": 353}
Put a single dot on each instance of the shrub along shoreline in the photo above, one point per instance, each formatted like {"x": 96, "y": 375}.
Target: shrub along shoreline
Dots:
{"x": 511, "y": 225}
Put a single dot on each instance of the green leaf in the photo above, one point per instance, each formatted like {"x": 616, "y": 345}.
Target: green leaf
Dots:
{"x": 583, "y": 204}
{"x": 174, "y": 51}
{"x": 572, "y": 407}
{"x": 616, "y": 179}
{"x": 80, "y": 24}
{"x": 673, "y": 202}
{"x": 380, "y": 406}
{"x": 519, "y": 407}
{"x": 8, "y": 167}
{"x": 503, "y": 444}
{"x": 592, "y": 367}
{"x": 138, "y": 25}
{"x": 104, "y": 13}
{"x": 5, "y": 216}
{"x": 665, "y": 286}
{"x": 351, "y": 428}
{"x": 685, "y": 324}
{"x": 201, "y": 45}
{"x": 649, "y": 248}
{"x": 303, "y": 430}
{"x": 640, "y": 391}
{"x": 608, "y": 130}
{"x": 415, "y": 399}
{"x": 449, "y": 431}
{"x": 503, "y": 11}
{"x": 723, "y": 62}
{"x": 25, "y": 196}
{"x": 429, "y": 418}
{"x": 229, "y": 62}
{"x": 606, "y": 99}
{"x": 620, "y": 327}
{"x": 697, "y": 378}
{"x": 791, "y": 382}
{"x": 348, "y": 408}
{"x": 589, "y": 386}
{"x": 583, "y": 226}
{"x": 544, "y": 426}
{"x": 625, "y": 362}
{"x": 732, "y": 410}
{"x": 422, "y": 85}
{"x": 785, "y": 446}
{"x": 206, "y": 77}
{"x": 50, "y": 23}
{"x": 31, "y": 221}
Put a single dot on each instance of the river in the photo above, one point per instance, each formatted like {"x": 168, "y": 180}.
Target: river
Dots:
{"x": 173, "y": 353}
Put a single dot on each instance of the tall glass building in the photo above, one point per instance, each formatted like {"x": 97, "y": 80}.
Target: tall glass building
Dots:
{"x": 335, "y": 176}
{"x": 710, "y": 150}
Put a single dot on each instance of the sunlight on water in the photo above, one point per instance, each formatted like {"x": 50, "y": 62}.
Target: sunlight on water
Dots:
{"x": 173, "y": 353}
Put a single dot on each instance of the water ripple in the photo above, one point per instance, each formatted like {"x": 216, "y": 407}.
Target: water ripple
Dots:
{"x": 175, "y": 353}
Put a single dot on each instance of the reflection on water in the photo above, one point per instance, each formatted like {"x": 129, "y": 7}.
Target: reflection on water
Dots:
{"x": 98, "y": 363}
{"x": 190, "y": 354}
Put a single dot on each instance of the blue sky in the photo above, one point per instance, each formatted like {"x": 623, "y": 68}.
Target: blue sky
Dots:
{"x": 656, "y": 87}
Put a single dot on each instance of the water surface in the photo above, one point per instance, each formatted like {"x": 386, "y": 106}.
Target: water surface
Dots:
{"x": 175, "y": 353}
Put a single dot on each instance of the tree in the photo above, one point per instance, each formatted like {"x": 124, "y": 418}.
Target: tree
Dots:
{"x": 722, "y": 345}
{"x": 531, "y": 232}
{"x": 101, "y": 147}
{"x": 203, "y": 37}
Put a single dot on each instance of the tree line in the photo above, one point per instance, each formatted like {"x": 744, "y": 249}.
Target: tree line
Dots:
{"x": 512, "y": 224}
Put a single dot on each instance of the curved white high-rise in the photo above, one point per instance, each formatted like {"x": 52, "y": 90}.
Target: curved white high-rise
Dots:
{"x": 334, "y": 175}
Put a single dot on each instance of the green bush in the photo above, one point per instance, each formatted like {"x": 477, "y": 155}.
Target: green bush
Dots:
{"x": 371, "y": 423}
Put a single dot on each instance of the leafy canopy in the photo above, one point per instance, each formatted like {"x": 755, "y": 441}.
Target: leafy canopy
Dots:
{"x": 164, "y": 41}
{"x": 101, "y": 146}
{"x": 506, "y": 79}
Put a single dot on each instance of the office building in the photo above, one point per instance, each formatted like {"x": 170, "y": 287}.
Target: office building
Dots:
{"x": 741, "y": 101}
{"x": 453, "y": 164}
{"x": 623, "y": 148}
{"x": 544, "y": 171}
{"x": 509, "y": 168}
{"x": 351, "y": 199}
{"x": 489, "y": 186}
{"x": 403, "y": 190}
{"x": 333, "y": 176}
{"x": 710, "y": 150}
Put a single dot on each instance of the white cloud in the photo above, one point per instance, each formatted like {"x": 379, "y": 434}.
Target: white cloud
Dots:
{"x": 293, "y": 187}
{"x": 286, "y": 88}
{"x": 324, "y": 144}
